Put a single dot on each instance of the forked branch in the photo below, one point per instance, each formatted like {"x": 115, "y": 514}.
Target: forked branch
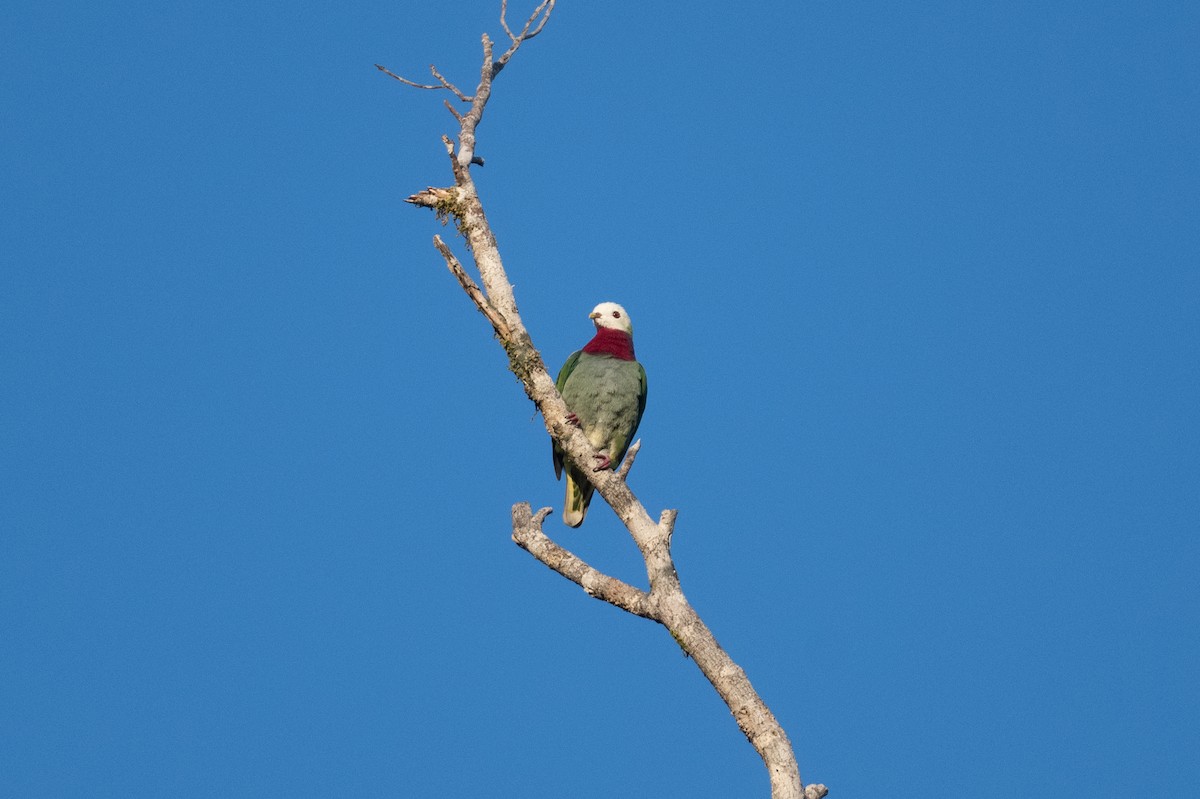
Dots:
{"x": 665, "y": 602}
{"x": 442, "y": 83}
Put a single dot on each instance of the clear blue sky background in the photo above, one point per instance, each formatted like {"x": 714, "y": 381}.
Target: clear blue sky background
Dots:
{"x": 918, "y": 290}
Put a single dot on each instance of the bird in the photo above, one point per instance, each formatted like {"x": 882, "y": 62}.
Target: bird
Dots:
{"x": 604, "y": 388}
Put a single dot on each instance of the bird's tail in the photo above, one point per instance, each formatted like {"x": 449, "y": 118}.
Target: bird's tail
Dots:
{"x": 579, "y": 494}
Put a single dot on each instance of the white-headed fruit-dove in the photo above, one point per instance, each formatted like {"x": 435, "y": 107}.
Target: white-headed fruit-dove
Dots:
{"x": 605, "y": 391}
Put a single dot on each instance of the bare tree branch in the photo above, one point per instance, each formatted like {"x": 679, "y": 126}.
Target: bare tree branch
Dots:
{"x": 453, "y": 111}
{"x": 448, "y": 85}
{"x": 443, "y": 84}
{"x": 543, "y": 10}
{"x": 405, "y": 81}
{"x": 504, "y": 20}
{"x": 473, "y": 291}
{"x": 665, "y": 602}
{"x": 527, "y": 533}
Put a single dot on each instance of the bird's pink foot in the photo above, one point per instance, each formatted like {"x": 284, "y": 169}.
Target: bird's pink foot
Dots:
{"x": 572, "y": 419}
{"x": 602, "y": 462}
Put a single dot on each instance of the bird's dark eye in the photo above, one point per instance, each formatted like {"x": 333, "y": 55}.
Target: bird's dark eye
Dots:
{"x": 616, "y": 314}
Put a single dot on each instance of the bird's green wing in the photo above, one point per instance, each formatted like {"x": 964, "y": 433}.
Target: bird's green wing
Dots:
{"x": 641, "y": 398}
{"x": 637, "y": 420}
{"x": 566, "y": 370}
{"x": 563, "y": 374}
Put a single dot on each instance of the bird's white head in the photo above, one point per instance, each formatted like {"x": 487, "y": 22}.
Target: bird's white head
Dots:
{"x": 611, "y": 315}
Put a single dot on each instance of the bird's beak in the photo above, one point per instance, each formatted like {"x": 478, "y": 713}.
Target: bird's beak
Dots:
{"x": 594, "y": 315}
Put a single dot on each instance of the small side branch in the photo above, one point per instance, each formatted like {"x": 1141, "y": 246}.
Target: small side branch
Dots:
{"x": 666, "y": 523}
{"x": 472, "y": 289}
{"x": 405, "y": 81}
{"x": 543, "y": 11}
{"x": 627, "y": 464}
{"x": 527, "y": 533}
{"x": 449, "y": 86}
{"x": 442, "y": 82}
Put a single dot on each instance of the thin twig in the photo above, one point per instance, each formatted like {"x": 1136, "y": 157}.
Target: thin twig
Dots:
{"x": 448, "y": 85}
{"x": 472, "y": 288}
{"x": 442, "y": 82}
{"x": 453, "y": 110}
{"x": 627, "y": 464}
{"x": 549, "y": 6}
{"x": 405, "y": 81}
{"x": 544, "y": 9}
{"x": 503, "y": 21}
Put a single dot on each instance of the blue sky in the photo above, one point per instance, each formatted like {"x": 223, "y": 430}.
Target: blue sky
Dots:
{"x": 917, "y": 290}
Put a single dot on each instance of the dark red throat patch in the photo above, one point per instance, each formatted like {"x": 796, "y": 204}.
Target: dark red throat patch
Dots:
{"x": 616, "y": 343}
